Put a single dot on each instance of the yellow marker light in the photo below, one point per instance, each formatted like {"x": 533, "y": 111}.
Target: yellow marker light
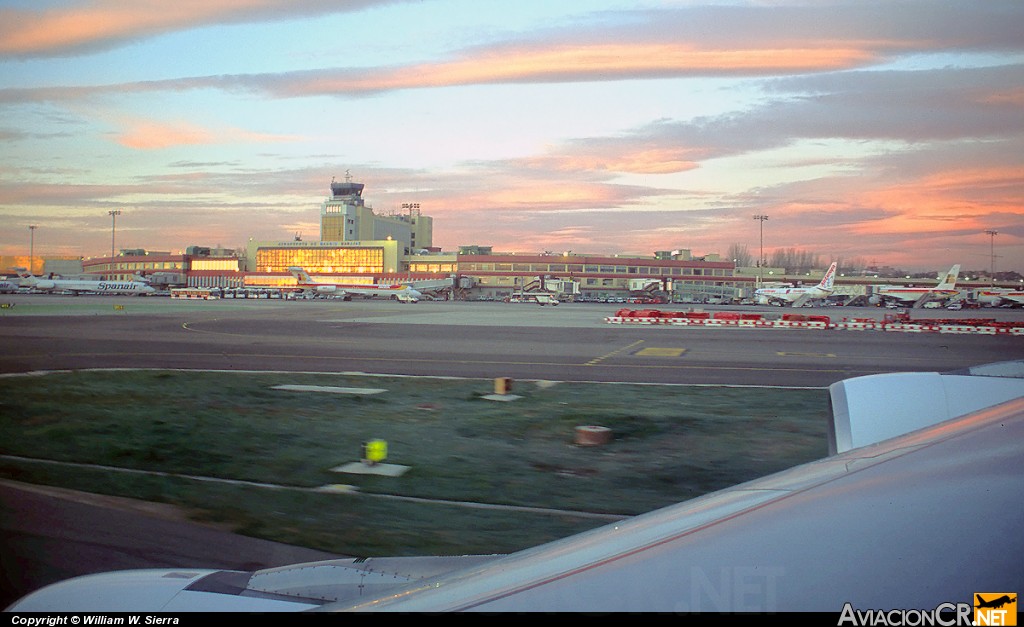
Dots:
{"x": 375, "y": 451}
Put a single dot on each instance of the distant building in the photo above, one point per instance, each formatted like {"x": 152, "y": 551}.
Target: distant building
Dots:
{"x": 360, "y": 261}
{"x": 13, "y": 264}
{"x": 357, "y": 245}
{"x": 170, "y": 267}
{"x": 596, "y": 276}
{"x": 475, "y": 250}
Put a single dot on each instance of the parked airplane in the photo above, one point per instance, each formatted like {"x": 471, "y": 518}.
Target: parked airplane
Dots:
{"x": 995, "y": 296}
{"x": 9, "y": 285}
{"x": 917, "y": 295}
{"x": 402, "y": 292}
{"x": 77, "y": 286}
{"x": 797, "y": 296}
{"x": 917, "y": 508}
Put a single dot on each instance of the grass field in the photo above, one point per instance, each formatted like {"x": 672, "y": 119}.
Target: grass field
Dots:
{"x": 230, "y": 449}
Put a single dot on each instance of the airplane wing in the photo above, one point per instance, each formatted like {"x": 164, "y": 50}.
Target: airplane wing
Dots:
{"x": 430, "y": 284}
{"x": 800, "y": 300}
{"x": 927, "y": 514}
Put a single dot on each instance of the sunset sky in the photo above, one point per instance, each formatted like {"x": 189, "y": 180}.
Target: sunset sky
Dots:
{"x": 886, "y": 131}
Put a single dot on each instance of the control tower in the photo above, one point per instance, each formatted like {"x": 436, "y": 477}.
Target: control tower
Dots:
{"x": 348, "y": 192}
{"x": 345, "y": 217}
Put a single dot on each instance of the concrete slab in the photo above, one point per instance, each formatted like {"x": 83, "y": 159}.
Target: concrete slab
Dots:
{"x": 359, "y": 468}
{"x": 501, "y": 397}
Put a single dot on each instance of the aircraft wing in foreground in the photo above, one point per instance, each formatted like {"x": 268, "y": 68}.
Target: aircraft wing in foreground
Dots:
{"x": 919, "y": 506}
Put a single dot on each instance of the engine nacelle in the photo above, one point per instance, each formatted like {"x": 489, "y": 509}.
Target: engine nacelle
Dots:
{"x": 44, "y": 285}
{"x": 326, "y": 289}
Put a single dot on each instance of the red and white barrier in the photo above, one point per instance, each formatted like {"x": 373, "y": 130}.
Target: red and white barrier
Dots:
{"x": 751, "y": 321}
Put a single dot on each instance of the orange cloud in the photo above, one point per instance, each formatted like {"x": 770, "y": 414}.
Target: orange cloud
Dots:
{"x": 640, "y": 161}
{"x": 596, "y": 62}
{"x": 546, "y": 194}
{"x": 39, "y": 31}
{"x": 956, "y": 199}
{"x": 153, "y": 136}
{"x": 99, "y": 21}
{"x": 149, "y": 135}
{"x": 616, "y": 59}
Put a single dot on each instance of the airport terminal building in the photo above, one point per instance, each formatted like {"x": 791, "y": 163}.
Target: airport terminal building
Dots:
{"x": 358, "y": 245}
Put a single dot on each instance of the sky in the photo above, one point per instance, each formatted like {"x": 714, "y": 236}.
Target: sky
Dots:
{"x": 887, "y": 132}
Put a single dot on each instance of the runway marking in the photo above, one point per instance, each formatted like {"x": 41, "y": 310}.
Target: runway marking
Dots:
{"x": 660, "y": 352}
{"x": 849, "y": 372}
{"x": 597, "y": 360}
{"x": 785, "y": 354}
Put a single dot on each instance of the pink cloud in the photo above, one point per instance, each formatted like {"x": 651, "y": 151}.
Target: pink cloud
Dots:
{"x": 151, "y": 135}
{"x": 635, "y": 159}
{"x": 561, "y": 63}
{"x": 102, "y": 23}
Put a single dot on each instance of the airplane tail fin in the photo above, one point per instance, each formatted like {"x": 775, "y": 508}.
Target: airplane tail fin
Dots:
{"x": 829, "y": 280}
{"x": 300, "y": 274}
{"x": 950, "y": 280}
{"x": 27, "y": 278}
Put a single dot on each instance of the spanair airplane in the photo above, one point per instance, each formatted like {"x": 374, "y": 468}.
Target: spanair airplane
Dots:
{"x": 77, "y": 286}
{"x": 401, "y": 292}
{"x": 945, "y": 290}
{"x": 797, "y": 296}
{"x": 917, "y": 506}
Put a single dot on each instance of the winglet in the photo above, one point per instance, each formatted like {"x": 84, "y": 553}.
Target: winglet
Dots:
{"x": 869, "y": 409}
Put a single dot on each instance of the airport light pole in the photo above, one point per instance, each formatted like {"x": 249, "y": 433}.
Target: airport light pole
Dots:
{"x": 992, "y": 238}
{"x": 760, "y": 261}
{"x": 31, "y": 248}
{"x": 113, "y": 224}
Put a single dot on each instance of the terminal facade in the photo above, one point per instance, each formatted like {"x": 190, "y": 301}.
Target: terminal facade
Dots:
{"x": 360, "y": 246}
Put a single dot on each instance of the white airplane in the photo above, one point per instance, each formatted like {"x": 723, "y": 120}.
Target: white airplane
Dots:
{"x": 76, "y": 286}
{"x": 797, "y": 296}
{"x": 401, "y": 292}
{"x": 916, "y": 509}
{"x": 945, "y": 290}
{"x": 9, "y": 285}
{"x": 995, "y": 296}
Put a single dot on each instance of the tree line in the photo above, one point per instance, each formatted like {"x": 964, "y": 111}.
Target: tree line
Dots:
{"x": 793, "y": 260}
